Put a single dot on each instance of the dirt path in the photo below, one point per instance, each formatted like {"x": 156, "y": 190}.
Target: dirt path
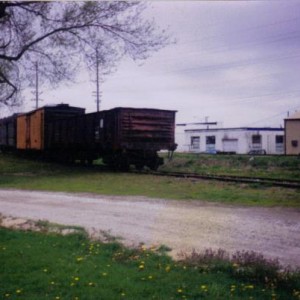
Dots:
{"x": 183, "y": 226}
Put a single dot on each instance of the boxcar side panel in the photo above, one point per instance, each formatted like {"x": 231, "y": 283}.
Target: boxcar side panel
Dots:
{"x": 11, "y": 132}
{"x": 21, "y": 132}
{"x": 37, "y": 130}
{"x": 147, "y": 129}
{"x": 3, "y": 133}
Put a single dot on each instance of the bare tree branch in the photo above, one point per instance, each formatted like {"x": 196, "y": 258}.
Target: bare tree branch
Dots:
{"x": 63, "y": 35}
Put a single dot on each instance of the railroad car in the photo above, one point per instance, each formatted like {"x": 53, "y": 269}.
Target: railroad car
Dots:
{"x": 8, "y": 127}
{"x": 32, "y": 127}
{"x": 120, "y": 136}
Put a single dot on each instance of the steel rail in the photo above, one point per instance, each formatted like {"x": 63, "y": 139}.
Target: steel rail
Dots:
{"x": 229, "y": 178}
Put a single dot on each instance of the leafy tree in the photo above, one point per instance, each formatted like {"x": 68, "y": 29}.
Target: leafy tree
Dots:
{"x": 62, "y": 36}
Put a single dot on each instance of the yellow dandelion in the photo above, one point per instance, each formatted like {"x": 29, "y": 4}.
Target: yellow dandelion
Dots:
{"x": 45, "y": 270}
{"x": 104, "y": 274}
{"x": 203, "y": 287}
{"x": 76, "y": 278}
{"x": 57, "y": 298}
{"x": 52, "y": 282}
{"x": 179, "y": 291}
{"x": 7, "y": 295}
{"x": 168, "y": 268}
{"x": 123, "y": 294}
{"x": 79, "y": 259}
{"x": 150, "y": 277}
{"x": 152, "y": 247}
{"x": 18, "y": 291}
{"x": 141, "y": 267}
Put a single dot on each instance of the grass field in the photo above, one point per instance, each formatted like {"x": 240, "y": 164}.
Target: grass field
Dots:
{"x": 283, "y": 167}
{"x": 38, "y": 266}
{"x": 36, "y": 175}
{"x": 47, "y": 265}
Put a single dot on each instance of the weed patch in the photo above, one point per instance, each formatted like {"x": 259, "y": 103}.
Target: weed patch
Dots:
{"x": 37, "y": 265}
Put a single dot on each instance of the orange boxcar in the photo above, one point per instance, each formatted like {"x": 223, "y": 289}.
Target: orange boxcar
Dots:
{"x": 32, "y": 126}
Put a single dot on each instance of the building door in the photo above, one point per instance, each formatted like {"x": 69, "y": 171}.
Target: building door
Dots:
{"x": 230, "y": 145}
{"x": 195, "y": 143}
{"x": 256, "y": 142}
{"x": 211, "y": 144}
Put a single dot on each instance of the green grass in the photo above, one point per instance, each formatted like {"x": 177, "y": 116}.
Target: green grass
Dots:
{"x": 35, "y": 175}
{"x": 50, "y": 266}
{"x": 283, "y": 167}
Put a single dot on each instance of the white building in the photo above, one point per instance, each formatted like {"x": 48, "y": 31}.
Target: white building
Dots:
{"x": 242, "y": 140}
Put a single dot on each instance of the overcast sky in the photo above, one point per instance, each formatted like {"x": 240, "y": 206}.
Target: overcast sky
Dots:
{"x": 236, "y": 62}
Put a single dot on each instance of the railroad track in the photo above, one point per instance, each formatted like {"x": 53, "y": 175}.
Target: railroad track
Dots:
{"x": 229, "y": 178}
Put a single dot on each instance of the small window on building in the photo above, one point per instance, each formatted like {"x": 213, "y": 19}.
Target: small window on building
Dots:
{"x": 210, "y": 140}
{"x": 279, "y": 139}
{"x": 294, "y": 143}
{"x": 279, "y": 144}
{"x": 195, "y": 142}
{"x": 256, "y": 139}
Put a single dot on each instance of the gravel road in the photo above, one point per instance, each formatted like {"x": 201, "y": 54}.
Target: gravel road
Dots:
{"x": 181, "y": 225}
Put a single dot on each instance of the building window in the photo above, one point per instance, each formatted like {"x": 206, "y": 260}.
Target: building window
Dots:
{"x": 256, "y": 139}
{"x": 195, "y": 142}
{"x": 279, "y": 144}
{"x": 294, "y": 143}
{"x": 279, "y": 139}
{"x": 210, "y": 143}
{"x": 210, "y": 140}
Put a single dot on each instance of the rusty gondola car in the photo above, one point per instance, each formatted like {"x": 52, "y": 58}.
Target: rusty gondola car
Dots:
{"x": 120, "y": 136}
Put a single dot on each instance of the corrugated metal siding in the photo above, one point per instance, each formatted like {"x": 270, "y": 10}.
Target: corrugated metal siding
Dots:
{"x": 147, "y": 125}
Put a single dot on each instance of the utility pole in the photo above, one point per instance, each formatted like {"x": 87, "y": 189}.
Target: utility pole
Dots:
{"x": 97, "y": 80}
{"x": 36, "y": 86}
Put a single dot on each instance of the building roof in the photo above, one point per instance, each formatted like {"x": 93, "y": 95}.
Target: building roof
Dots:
{"x": 237, "y": 128}
{"x": 294, "y": 116}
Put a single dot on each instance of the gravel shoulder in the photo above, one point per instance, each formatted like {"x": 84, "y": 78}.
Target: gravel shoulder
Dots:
{"x": 181, "y": 225}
